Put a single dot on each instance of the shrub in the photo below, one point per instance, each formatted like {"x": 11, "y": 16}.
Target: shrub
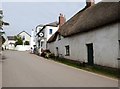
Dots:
{"x": 26, "y": 43}
{"x": 19, "y": 41}
{"x": 46, "y": 53}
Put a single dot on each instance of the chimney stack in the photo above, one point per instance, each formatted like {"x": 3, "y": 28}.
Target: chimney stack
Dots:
{"x": 89, "y": 3}
{"x": 61, "y": 19}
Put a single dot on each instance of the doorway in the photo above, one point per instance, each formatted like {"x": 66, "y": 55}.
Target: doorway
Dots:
{"x": 90, "y": 56}
{"x": 57, "y": 52}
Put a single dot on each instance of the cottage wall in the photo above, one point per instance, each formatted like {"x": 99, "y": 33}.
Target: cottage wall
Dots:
{"x": 105, "y": 46}
{"x": 47, "y": 35}
{"x": 54, "y": 29}
{"x": 27, "y": 37}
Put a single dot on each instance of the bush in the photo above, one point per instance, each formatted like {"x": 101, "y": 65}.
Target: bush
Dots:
{"x": 46, "y": 53}
{"x": 19, "y": 41}
{"x": 26, "y": 43}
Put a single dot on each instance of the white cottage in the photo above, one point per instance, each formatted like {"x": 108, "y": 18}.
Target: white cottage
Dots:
{"x": 90, "y": 36}
{"x": 37, "y": 37}
{"x": 10, "y": 43}
{"x": 25, "y": 36}
{"x": 44, "y": 34}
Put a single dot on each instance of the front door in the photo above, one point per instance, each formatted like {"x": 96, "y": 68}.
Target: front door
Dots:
{"x": 57, "y": 52}
{"x": 90, "y": 54}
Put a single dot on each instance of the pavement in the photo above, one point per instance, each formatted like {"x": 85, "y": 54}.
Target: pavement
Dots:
{"x": 0, "y": 70}
{"x": 22, "y": 69}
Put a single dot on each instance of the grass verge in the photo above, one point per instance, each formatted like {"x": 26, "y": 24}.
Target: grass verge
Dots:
{"x": 107, "y": 71}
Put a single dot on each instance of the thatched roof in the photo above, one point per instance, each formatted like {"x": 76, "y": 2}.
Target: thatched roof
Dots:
{"x": 98, "y": 15}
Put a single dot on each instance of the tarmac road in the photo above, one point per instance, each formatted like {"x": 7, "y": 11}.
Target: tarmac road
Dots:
{"x": 22, "y": 69}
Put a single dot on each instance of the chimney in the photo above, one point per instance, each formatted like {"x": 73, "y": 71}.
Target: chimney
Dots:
{"x": 89, "y": 3}
{"x": 61, "y": 19}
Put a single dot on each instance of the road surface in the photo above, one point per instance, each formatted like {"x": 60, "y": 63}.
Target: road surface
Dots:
{"x": 22, "y": 69}
{"x": 0, "y": 71}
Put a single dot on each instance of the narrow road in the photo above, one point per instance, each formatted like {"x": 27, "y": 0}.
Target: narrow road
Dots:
{"x": 21, "y": 69}
{"x": 0, "y": 71}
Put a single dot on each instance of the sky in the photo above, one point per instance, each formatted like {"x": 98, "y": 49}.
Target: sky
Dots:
{"x": 25, "y": 16}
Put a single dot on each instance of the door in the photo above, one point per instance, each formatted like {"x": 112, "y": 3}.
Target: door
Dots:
{"x": 90, "y": 56}
{"x": 57, "y": 52}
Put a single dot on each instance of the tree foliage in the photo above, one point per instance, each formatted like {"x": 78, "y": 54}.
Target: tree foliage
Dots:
{"x": 18, "y": 40}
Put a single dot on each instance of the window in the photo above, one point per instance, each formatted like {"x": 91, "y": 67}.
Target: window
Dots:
{"x": 38, "y": 43}
{"x": 23, "y": 38}
{"x": 57, "y": 52}
{"x": 50, "y": 31}
{"x": 41, "y": 44}
{"x": 67, "y": 50}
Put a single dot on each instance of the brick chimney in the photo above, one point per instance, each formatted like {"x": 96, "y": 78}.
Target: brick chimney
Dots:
{"x": 89, "y": 3}
{"x": 61, "y": 19}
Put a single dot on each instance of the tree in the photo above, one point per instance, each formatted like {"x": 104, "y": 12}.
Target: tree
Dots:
{"x": 18, "y": 40}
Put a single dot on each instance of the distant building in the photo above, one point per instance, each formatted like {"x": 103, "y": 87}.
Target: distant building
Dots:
{"x": 25, "y": 36}
{"x": 90, "y": 36}
{"x": 10, "y": 42}
{"x": 37, "y": 36}
{"x": 43, "y": 34}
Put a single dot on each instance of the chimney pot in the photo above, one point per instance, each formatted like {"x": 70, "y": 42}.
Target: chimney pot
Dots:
{"x": 89, "y": 3}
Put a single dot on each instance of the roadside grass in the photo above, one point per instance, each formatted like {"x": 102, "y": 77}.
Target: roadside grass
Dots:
{"x": 107, "y": 71}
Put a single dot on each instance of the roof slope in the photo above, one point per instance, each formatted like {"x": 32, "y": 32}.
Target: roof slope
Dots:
{"x": 54, "y": 24}
{"x": 53, "y": 37}
{"x": 95, "y": 16}
{"x": 25, "y": 32}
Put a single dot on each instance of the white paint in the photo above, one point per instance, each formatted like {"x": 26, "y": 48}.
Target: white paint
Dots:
{"x": 32, "y": 39}
{"x": 27, "y": 37}
{"x": 36, "y": 38}
{"x": 105, "y": 45}
{"x": 43, "y": 40}
{"x": 9, "y": 44}
{"x": 22, "y": 47}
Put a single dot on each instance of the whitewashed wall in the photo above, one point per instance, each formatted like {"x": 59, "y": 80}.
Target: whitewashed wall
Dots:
{"x": 54, "y": 29}
{"x": 27, "y": 37}
{"x": 105, "y": 45}
{"x": 10, "y": 46}
{"x": 22, "y": 47}
{"x": 52, "y": 47}
{"x": 47, "y": 35}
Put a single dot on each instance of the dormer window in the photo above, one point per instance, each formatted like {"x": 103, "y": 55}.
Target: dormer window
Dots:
{"x": 50, "y": 31}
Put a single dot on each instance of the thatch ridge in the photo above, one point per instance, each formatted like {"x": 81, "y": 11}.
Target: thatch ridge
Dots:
{"x": 95, "y": 16}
